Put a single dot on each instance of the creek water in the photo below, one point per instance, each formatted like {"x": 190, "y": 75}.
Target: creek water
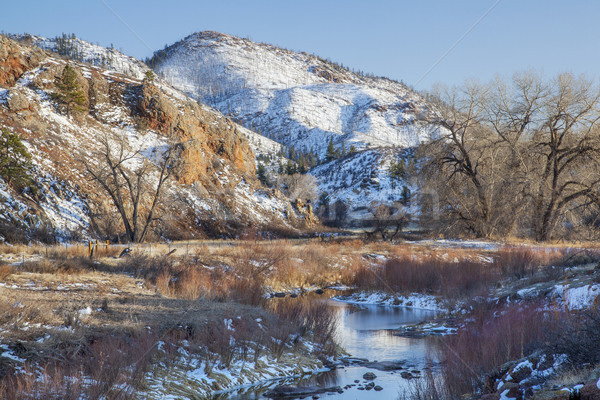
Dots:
{"x": 366, "y": 331}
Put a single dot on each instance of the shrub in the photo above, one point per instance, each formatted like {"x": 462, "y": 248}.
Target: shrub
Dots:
{"x": 580, "y": 338}
{"x": 494, "y": 336}
{"x": 427, "y": 273}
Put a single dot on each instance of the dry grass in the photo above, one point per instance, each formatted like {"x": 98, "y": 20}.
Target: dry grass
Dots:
{"x": 186, "y": 297}
{"x": 189, "y": 294}
{"x": 6, "y": 271}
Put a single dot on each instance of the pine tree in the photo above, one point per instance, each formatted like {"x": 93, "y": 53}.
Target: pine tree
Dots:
{"x": 15, "y": 160}
{"x": 332, "y": 153}
{"x": 302, "y": 167}
{"x": 149, "y": 77}
{"x": 397, "y": 171}
{"x": 261, "y": 173}
{"x": 290, "y": 168}
{"x": 70, "y": 92}
{"x": 405, "y": 196}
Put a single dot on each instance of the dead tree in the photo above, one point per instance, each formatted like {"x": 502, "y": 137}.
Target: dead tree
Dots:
{"x": 126, "y": 176}
{"x": 388, "y": 220}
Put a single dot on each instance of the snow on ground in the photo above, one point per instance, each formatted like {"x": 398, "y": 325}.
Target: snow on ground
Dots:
{"x": 94, "y": 54}
{"x": 191, "y": 374}
{"x": 360, "y": 179}
{"x": 577, "y": 298}
{"x": 8, "y": 353}
{"x": 414, "y": 300}
{"x": 459, "y": 243}
{"x": 299, "y": 100}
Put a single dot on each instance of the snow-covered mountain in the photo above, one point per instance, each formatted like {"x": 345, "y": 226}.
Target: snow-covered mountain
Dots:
{"x": 214, "y": 193}
{"x": 302, "y": 101}
{"x": 83, "y": 51}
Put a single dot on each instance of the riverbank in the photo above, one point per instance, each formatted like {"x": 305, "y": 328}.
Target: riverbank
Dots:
{"x": 75, "y": 327}
{"x": 201, "y": 322}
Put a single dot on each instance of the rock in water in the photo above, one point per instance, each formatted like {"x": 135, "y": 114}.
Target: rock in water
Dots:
{"x": 369, "y": 376}
{"x": 290, "y": 391}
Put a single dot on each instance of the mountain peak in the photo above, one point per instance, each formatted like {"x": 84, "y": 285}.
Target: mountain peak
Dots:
{"x": 301, "y": 101}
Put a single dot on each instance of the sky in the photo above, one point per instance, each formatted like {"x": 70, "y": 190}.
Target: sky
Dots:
{"x": 418, "y": 42}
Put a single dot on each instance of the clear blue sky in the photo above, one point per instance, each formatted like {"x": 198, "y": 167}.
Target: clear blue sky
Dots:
{"x": 399, "y": 39}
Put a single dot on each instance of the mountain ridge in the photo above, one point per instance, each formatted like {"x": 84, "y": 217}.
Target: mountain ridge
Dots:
{"x": 306, "y": 103}
{"x": 216, "y": 194}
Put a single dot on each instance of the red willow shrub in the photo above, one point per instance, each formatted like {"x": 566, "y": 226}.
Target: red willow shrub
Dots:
{"x": 427, "y": 274}
{"x": 494, "y": 336}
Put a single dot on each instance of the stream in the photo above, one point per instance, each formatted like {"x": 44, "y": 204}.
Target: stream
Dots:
{"x": 364, "y": 331}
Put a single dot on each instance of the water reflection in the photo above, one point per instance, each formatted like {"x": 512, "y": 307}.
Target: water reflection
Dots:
{"x": 364, "y": 331}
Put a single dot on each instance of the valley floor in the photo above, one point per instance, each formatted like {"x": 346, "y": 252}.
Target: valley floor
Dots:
{"x": 189, "y": 323}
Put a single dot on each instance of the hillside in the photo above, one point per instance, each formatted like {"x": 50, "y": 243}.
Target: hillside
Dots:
{"x": 213, "y": 193}
{"x": 80, "y": 50}
{"x": 300, "y": 101}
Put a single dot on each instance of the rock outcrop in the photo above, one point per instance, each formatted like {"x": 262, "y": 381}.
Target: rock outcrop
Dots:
{"x": 205, "y": 135}
{"x": 15, "y": 60}
{"x": 214, "y": 193}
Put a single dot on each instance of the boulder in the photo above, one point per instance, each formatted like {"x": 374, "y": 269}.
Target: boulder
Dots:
{"x": 17, "y": 101}
{"x": 369, "y": 376}
{"x": 511, "y": 390}
{"x": 406, "y": 375}
{"x": 290, "y": 391}
{"x": 521, "y": 373}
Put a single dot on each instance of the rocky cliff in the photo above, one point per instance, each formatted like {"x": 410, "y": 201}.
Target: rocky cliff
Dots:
{"x": 213, "y": 193}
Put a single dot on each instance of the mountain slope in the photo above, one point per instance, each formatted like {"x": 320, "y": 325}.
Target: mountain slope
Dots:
{"x": 215, "y": 193}
{"x": 299, "y": 100}
{"x": 80, "y": 50}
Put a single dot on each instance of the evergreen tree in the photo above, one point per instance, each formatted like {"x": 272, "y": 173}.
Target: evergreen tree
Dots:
{"x": 261, "y": 173}
{"x": 405, "y": 196}
{"x": 15, "y": 160}
{"x": 332, "y": 153}
{"x": 70, "y": 92}
{"x": 149, "y": 76}
{"x": 352, "y": 149}
{"x": 290, "y": 168}
{"x": 397, "y": 171}
{"x": 302, "y": 166}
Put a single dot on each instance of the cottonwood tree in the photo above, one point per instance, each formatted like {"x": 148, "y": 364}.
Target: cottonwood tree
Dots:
{"x": 299, "y": 186}
{"x": 519, "y": 155}
{"x": 565, "y": 146}
{"x": 133, "y": 183}
{"x": 461, "y": 165}
{"x": 388, "y": 219}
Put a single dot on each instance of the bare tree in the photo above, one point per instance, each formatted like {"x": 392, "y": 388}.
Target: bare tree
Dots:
{"x": 133, "y": 183}
{"x": 388, "y": 219}
{"x": 299, "y": 186}
{"x": 462, "y": 164}
{"x": 566, "y": 147}
{"x": 523, "y": 154}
